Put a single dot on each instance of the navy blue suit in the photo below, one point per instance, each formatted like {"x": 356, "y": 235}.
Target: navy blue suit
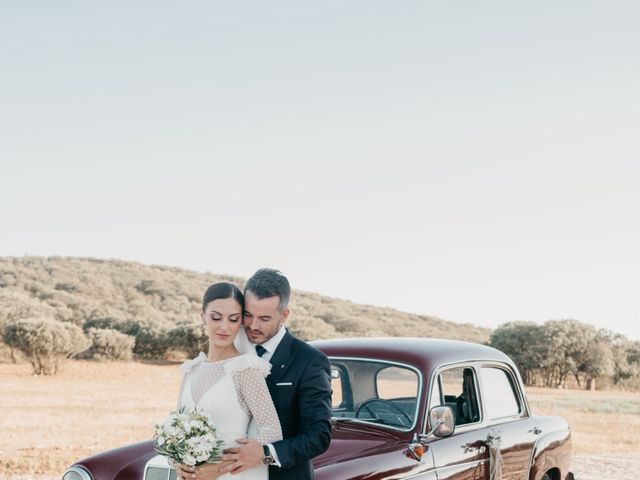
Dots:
{"x": 300, "y": 386}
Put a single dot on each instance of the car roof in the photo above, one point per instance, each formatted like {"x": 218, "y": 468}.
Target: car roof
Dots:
{"x": 421, "y": 352}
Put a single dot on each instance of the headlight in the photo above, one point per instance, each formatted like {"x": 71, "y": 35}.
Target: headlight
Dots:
{"x": 76, "y": 473}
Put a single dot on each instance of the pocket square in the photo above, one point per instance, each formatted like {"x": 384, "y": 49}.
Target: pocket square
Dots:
{"x": 283, "y": 384}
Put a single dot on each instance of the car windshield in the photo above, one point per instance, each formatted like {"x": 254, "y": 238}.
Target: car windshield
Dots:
{"x": 374, "y": 392}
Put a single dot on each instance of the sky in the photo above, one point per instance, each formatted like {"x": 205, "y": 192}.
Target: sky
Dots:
{"x": 475, "y": 161}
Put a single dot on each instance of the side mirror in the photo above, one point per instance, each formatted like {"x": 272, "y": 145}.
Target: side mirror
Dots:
{"x": 442, "y": 421}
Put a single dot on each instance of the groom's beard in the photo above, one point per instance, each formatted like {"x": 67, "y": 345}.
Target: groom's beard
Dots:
{"x": 255, "y": 336}
{"x": 248, "y": 332}
{"x": 258, "y": 337}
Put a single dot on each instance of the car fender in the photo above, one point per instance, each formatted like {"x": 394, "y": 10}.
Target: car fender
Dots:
{"x": 552, "y": 450}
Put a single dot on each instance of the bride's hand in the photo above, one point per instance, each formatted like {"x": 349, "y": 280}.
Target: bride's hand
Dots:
{"x": 210, "y": 471}
{"x": 206, "y": 471}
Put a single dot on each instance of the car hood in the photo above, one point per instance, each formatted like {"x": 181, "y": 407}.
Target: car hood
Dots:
{"x": 352, "y": 439}
{"x": 349, "y": 440}
{"x": 126, "y": 463}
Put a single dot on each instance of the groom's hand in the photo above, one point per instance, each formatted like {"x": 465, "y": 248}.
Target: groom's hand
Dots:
{"x": 248, "y": 456}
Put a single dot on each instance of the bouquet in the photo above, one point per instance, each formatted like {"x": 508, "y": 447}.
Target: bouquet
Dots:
{"x": 188, "y": 437}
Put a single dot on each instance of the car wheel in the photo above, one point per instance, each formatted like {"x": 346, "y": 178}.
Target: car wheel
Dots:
{"x": 546, "y": 477}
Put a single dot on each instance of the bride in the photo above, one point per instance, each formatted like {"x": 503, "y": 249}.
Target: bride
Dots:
{"x": 229, "y": 384}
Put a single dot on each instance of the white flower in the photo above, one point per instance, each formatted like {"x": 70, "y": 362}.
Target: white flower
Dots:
{"x": 196, "y": 424}
{"x": 202, "y": 457}
{"x": 190, "y": 460}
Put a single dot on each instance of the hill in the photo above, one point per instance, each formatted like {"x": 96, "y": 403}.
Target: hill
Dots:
{"x": 81, "y": 290}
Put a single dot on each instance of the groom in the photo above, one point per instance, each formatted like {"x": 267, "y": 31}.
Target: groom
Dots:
{"x": 299, "y": 383}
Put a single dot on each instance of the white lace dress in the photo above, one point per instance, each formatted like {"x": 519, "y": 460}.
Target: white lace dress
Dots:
{"x": 234, "y": 393}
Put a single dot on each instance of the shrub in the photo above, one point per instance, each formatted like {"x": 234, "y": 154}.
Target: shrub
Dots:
{"x": 151, "y": 337}
{"x": 189, "y": 337}
{"x": 108, "y": 344}
{"x": 152, "y": 340}
{"x": 109, "y": 318}
{"x": 45, "y": 342}
{"x": 311, "y": 328}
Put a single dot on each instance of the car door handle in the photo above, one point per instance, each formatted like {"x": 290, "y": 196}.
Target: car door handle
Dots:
{"x": 535, "y": 431}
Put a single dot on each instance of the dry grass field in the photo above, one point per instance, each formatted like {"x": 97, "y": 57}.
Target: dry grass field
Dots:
{"x": 605, "y": 427}
{"x": 601, "y": 421}
{"x": 48, "y": 422}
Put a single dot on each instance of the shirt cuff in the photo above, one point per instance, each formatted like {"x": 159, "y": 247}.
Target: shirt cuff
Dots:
{"x": 274, "y": 454}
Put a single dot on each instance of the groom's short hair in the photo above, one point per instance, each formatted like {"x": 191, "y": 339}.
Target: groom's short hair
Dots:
{"x": 268, "y": 282}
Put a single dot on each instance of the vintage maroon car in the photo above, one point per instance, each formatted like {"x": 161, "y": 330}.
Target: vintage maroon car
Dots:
{"x": 407, "y": 408}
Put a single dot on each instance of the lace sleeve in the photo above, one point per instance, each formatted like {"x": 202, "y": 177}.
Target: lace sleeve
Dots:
{"x": 255, "y": 394}
{"x": 184, "y": 378}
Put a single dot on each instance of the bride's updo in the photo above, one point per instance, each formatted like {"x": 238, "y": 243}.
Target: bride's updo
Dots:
{"x": 222, "y": 290}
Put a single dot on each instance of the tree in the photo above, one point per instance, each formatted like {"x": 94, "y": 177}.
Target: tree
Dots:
{"x": 45, "y": 342}
{"x": 626, "y": 359}
{"x": 17, "y": 306}
{"x": 597, "y": 361}
{"x": 524, "y": 343}
{"x": 576, "y": 349}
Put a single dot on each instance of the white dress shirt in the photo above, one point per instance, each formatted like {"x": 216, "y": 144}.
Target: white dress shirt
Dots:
{"x": 270, "y": 347}
{"x": 271, "y": 344}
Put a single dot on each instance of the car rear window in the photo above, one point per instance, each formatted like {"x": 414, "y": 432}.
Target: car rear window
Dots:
{"x": 500, "y": 398}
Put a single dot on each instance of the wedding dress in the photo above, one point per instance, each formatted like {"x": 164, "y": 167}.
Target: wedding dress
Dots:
{"x": 234, "y": 393}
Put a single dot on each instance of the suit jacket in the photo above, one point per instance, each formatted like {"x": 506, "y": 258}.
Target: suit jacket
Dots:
{"x": 300, "y": 386}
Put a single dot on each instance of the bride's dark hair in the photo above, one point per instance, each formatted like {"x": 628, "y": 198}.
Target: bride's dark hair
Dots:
{"x": 222, "y": 290}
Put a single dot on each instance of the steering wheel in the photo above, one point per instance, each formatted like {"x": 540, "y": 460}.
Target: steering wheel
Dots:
{"x": 366, "y": 406}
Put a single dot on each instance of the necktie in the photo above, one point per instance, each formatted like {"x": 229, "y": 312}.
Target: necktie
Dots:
{"x": 260, "y": 350}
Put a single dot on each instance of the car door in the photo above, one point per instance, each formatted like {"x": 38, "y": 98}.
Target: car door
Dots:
{"x": 375, "y": 415}
{"x": 463, "y": 455}
{"x": 508, "y": 419}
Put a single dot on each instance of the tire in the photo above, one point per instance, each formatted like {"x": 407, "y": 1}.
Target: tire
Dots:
{"x": 546, "y": 477}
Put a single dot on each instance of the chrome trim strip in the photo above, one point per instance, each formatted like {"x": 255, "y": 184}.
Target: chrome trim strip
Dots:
{"x": 471, "y": 464}
{"x": 427, "y": 474}
{"x": 388, "y": 362}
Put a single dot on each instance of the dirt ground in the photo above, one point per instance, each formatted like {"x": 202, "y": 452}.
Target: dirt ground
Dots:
{"x": 46, "y": 423}
{"x": 606, "y": 467}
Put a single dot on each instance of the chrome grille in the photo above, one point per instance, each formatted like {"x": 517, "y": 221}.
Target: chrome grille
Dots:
{"x": 160, "y": 473}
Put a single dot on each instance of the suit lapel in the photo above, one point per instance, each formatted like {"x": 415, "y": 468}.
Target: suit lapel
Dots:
{"x": 280, "y": 360}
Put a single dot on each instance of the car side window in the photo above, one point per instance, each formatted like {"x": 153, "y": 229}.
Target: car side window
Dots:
{"x": 336, "y": 386}
{"x": 460, "y": 393}
{"x": 499, "y": 395}
{"x": 436, "y": 394}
